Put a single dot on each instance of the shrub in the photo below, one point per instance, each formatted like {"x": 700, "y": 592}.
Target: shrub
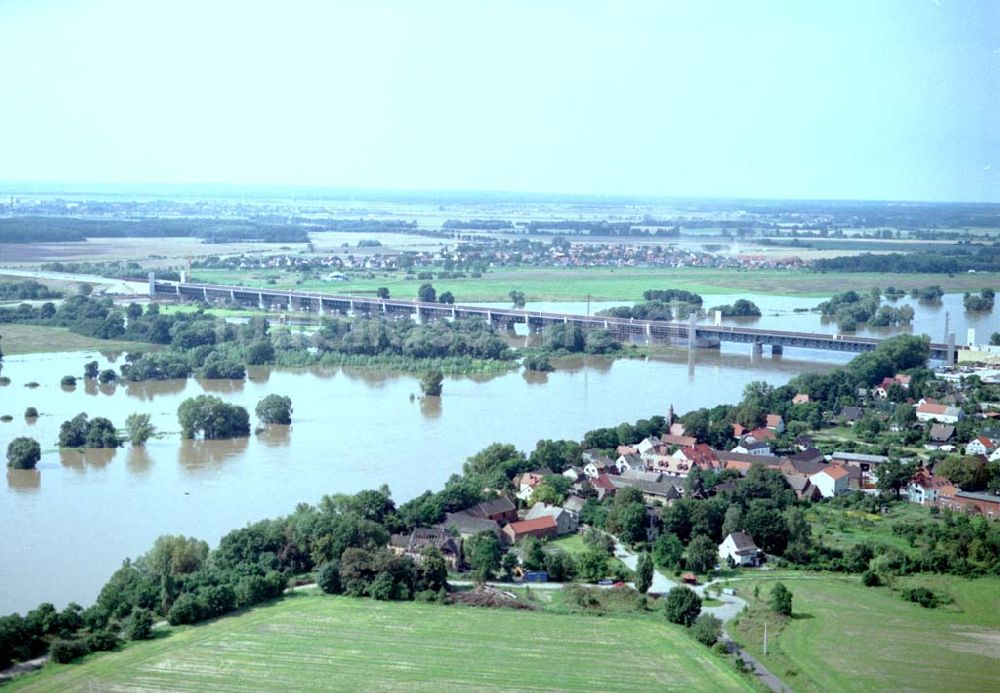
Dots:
{"x": 781, "y": 600}
{"x": 23, "y": 453}
{"x": 922, "y": 596}
{"x": 707, "y": 629}
{"x": 328, "y": 578}
{"x": 65, "y": 651}
{"x": 186, "y": 609}
{"x": 102, "y": 641}
{"x": 870, "y": 579}
{"x": 68, "y": 381}
{"x": 139, "y": 625}
{"x": 682, "y": 606}
{"x": 31, "y": 413}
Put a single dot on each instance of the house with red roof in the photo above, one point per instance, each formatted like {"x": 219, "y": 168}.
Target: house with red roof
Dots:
{"x": 980, "y": 445}
{"x": 544, "y": 526}
{"x": 831, "y": 481}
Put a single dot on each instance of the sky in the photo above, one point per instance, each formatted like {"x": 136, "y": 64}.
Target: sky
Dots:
{"x": 883, "y": 99}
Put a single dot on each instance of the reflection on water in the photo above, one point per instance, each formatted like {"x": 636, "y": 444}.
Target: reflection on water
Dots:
{"x": 90, "y": 386}
{"x": 111, "y": 356}
{"x": 148, "y": 389}
{"x": 79, "y": 460}
{"x": 24, "y": 480}
{"x": 430, "y": 407}
{"x": 107, "y": 388}
{"x": 274, "y": 435}
{"x": 200, "y": 455}
{"x": 535, "y": 377}
{"x": 258, "y": 374}
{"x": 224, "y": 387}
{"x": 138, "y": 461}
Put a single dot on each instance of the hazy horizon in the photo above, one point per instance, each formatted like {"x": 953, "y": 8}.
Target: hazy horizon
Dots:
{"x": 877, "y": 102}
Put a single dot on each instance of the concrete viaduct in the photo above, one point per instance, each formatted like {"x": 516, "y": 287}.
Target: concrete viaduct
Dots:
{"x": 687, "y": 334}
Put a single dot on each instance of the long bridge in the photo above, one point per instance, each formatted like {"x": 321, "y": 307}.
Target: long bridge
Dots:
{"x": 629, "y": 330}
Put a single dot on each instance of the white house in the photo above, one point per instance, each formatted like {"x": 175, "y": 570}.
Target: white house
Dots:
{"x": 598, "y": 466}
{"x": 831, "y": 481}
{"x": 942, "y": 413}
{"x": 566, "y": 522}
{"x": 633, "y": 462}
{"x": 980, "y": 446}
{"x": 749, "y": 446}
{"x": 925, "y": 489}
{"x": 739, "y": 547}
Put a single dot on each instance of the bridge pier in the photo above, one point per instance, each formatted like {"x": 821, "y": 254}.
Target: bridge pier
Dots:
{"x": 758, "y": 350}
{"x": 649, "y": 333}
{"x": 951, "y": 349}
{"x": 260, "y": 300}
{"x": 692, "y": 332}
{"x": 777, "y": 350}
{"x": 152, "y": 284}
{"x": 204, "y": 292}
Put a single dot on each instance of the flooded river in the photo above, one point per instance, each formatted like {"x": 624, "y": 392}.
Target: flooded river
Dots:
{"x": 71, "y": 522}
{"x": 74, "y": 519}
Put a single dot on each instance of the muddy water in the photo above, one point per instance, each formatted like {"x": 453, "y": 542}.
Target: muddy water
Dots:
{"x": 72, "y": 521}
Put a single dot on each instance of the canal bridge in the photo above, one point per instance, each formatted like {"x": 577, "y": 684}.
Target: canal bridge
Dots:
{"x": 689, "y": 334}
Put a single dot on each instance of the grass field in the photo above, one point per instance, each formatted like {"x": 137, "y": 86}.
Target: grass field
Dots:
{"x": 846, "y": 637}
{"x": 610, "y": 284}
{"x": 33, "y": 339}
{"x": 314, "y": 642}
{"x": 841, "y": 528}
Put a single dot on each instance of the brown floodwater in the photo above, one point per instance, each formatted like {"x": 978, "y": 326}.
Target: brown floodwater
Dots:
{"x": 72, "y": 521}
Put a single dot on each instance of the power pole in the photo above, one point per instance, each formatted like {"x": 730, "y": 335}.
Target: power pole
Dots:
{"x": 765, "y": 638}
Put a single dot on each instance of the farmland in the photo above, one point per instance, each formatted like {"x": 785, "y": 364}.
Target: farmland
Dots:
{"x": 846, "y": 637}
{"x": 314, "y": 642}
{"x": 607, "y": 284}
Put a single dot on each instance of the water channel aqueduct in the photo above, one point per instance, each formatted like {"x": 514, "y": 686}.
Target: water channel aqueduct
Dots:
{"x": 627, "y": 330}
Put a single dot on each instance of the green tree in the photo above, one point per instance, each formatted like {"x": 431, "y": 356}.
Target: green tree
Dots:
{"x": 682, "y": 605}
{"x": 644, "y": 573}
{"x": 139, "y": 625}
{"x": 702, "y": 554}
{"x": 592, "y": 565}
{"x": 781, "y": 600}
{"x": 426, "y": 293}
{"x": 482, "y": 553}
{"x": 970, "y": 473}
{"x": 23, "y": 453}
{"x": 532, "y": 553}
{"x": 382, "y": 292}
{"x": 431, "y": 383}
{"x": 139, "y": 429}
{"x": 328, "y": 578}
{"x": 433, "y": 570}
{"x": 446, "y": 297}
{"x": 101, "y": 434}
{"x": 90, "y": 370}
{"x": 213, "y": 418}
{"x": 275, "y": 409}
{"x": 517, "y": 298}
{"x": 668, "y": 550}
{"x": 733, "y": 521}
{"x": 766, "y": 525}
{"x": 707, "y": 629}
{"x": 995, "y": 339}
{"x": 893, "y": 476}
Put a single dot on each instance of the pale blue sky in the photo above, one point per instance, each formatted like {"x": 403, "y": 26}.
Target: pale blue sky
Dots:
{"x": 875, "y": 99}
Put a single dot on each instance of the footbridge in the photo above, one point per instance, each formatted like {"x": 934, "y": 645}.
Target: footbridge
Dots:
{"x": 628, "y": 330}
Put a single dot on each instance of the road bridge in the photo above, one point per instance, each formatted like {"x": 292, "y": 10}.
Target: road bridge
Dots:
{"x": 687, "y": 334}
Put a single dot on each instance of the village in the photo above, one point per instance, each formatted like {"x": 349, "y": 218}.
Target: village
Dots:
{"x": 666, "y": 468}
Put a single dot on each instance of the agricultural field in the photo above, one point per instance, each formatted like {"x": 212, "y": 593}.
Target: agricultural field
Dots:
{"x": 33, "y": 339}
{"x": 843, "y": 636}
{"x": 603, "y": 284}
{"x": 310, "y": 641}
